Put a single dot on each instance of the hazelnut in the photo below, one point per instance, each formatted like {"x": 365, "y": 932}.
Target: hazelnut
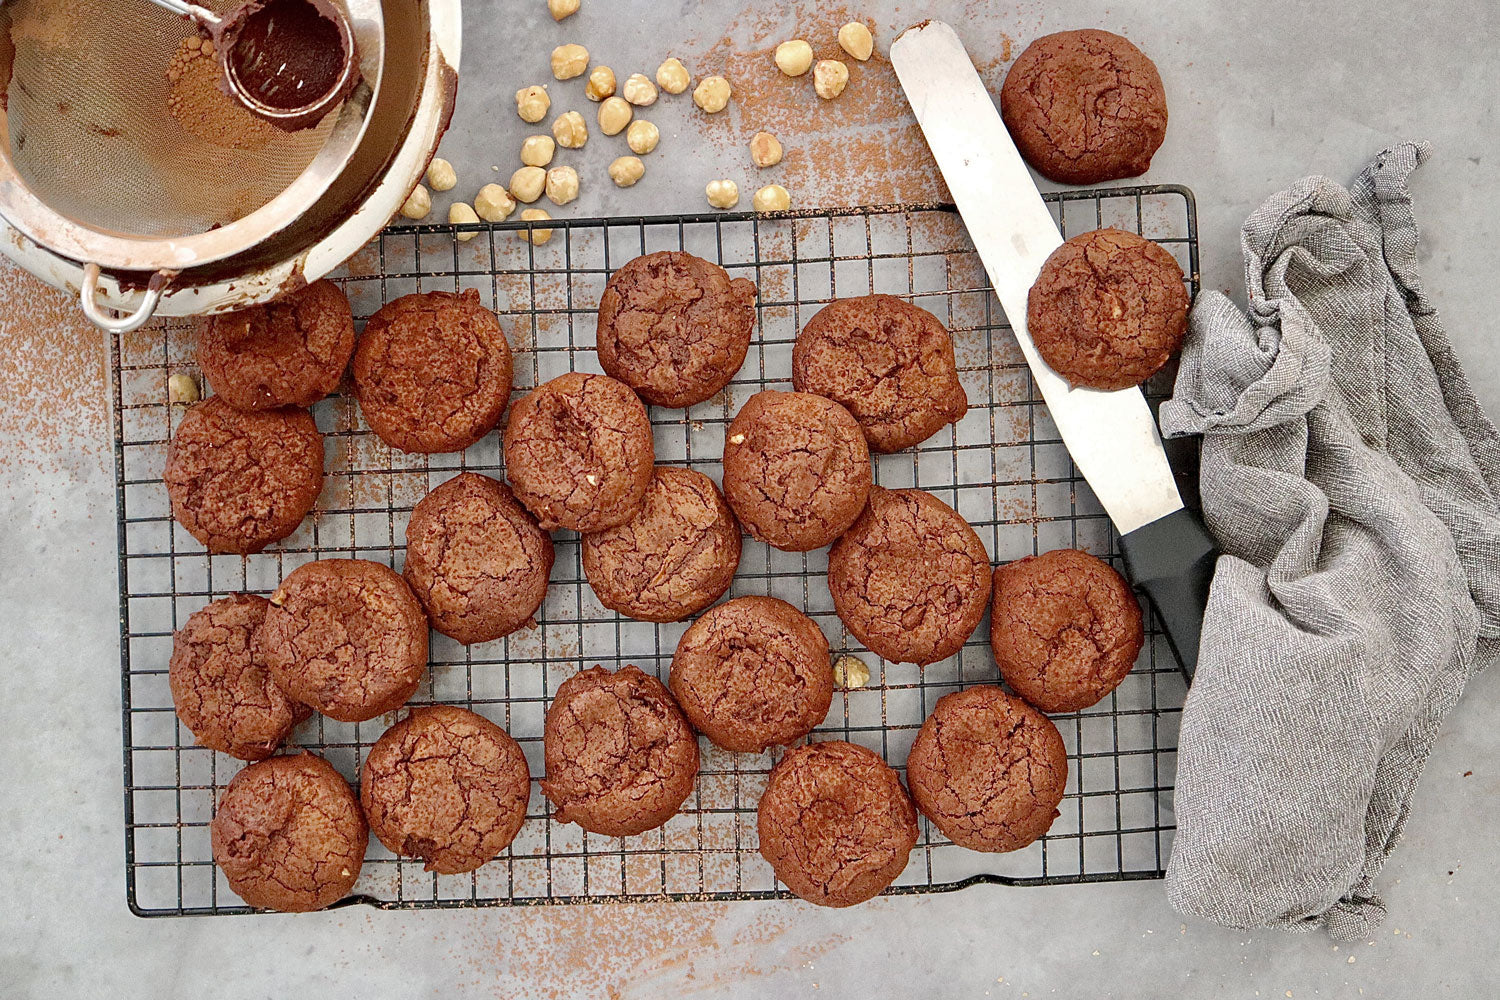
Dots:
{"x": 765, "y": 149}
{"x": 772, "y": 198}
{"x": 532, "y": 103}
{"x": 794, "y": 58}
{"x": 570, "y": 130}
{"x": 626, "y": 170}
{"x": 712, "y": 94}
{"x": 830, "y": 77}
{"x": 536, "y": 237}
{"x": 182, "y": 389}
{"x": 722, "y": 193}
{"x": 493, "y": 203}
{"x": 672, "y": 76}
{"x": 639, "y": 91}
{"x": 537, "y": 150}
{"x": 562, "y": 185}
{"x": 441, "y": 175}
{"x": 569, "y": 61}
{"x": 461, "y": 213}
{"x": 855, "y": 39}
{"x": 601, "y": 84}
{"x": 736, "y": 439}
{"x": 562, "y": 8}
{"x": 614, "y": 115}
{"x": 528, "y": 183}
{"x": 850, "y": 672}
{"x": 642, "y": 136}
{"x": 417, "y": 204}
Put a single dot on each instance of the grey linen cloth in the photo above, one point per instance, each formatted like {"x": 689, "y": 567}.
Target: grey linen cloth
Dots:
{"x": 1351, "y": 481}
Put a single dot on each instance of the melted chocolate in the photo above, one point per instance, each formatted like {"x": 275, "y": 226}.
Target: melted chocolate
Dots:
{"x": 287, "y": 54}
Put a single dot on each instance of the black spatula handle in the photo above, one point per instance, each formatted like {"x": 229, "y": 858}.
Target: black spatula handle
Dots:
{"x": 1172, "y": 560}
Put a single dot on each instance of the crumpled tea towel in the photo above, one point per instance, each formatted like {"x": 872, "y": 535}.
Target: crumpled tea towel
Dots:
{"x": 1351, "y": 481}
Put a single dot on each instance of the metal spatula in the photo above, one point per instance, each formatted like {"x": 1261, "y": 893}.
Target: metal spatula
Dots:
{"x": 1111, "y": 436}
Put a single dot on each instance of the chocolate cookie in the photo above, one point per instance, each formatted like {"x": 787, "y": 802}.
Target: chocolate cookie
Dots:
{"x": 578, "y": 452}
{"x": 241, "y": 480}
{"x": 347, "y": 637}
{"x": 796, "y": 469}
{"x": 1108, "y": 309}
{"x": 753, "y": 673}
{"x": 988, "y": 770}
{"x": 672, "y": 559}
{"x": 289, "y": 835}
{"x": 447, "y": 786}
{"x": 476, "y": 559}
{"x": 291, "y": 352}
{"x": 621, "y": 759}
{"x": 910, "y": 579}
{"x": 220, "y": 686}
{"x": 674, "y": 327}
{"x": 889, "y": 362}
{"x": 1084, "y": 107}
{"x": 835, "y": 823}
{"x": 1065, "y": 629}
{"x": 432, "y": 371}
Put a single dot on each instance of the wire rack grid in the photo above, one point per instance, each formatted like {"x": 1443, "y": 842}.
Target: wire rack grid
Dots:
{"x": 1002, "y": 466}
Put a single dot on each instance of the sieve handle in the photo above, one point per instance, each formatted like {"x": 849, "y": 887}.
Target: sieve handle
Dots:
{"x": 88, "y": 298}
{"x": 202, "y": 15}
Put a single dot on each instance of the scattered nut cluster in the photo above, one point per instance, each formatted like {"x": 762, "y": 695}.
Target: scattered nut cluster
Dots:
{"x": 765, "y": 150}
{"x": 461, "y": 213}
{"x": 639, "y": 91}
{"x": 569, "y": 61}
{"x": 626, "y": 170}
{"x": 562, "y": 8}
{"x": 417, "y": 204}
{"x": 493, "y": 203}
{"x": 723, "y": 193}
{"x": 794, "y": 57}
{"x": 570, "y": 130}
{"x": 712, "y": 94}
{"x": 850, "y": 672}
{"x": 672, "y": 76}
{"x": 532, "y": 103}
{"x": 440, "y": 175}
{"x": 182, "y": 389}
{"x": 830, "y": 77}
{"x": 536, "y": 237}
{"x": 772, "y": 198}
{"x": 601, "y": 83}
{"x": 528, "y": 183}
{"x": 855, "y": 39}
{"x": 562, "y": 185}
{"x": 614, "y": 114}
{"x": 537, "y": 150}
{"x": 642, "y": 136}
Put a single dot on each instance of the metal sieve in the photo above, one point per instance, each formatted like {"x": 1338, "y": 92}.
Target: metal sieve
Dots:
{"x": 106, "y": 161}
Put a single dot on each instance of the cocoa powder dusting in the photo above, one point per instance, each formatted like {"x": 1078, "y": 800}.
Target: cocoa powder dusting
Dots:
{"x": 202, "y": 108}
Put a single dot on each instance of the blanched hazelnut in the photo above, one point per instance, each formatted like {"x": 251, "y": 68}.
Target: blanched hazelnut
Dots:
{"x": 712, "y": 94}
{"x": 830, "y": 77}
{"x": 614, "y": 115}
{"x": 642, "y": 136}
{"x": 601, "y": 84}
{"x": 562, "y": 8}
{"x": 462, "y": 213}
{"x": 772, "y": 198}
{"x": 569, "y": 61}
{"x": 672, "y": 76}
{"x": 441, "y": 175}
{"x": 855, "y": 39}
{"x": 493, "y": 203}
{"x": 570, "y": 130}
{"x": 626, "y": 170}
{"x": 528, "y": 183}
{"x": 794, "y": 58}
{"x": 537, "y": 150}
{"x": 850, "y": 672}
{"x": 417, "y": 204}
{"x": 639, "y": 91}
{"x": 723, "y": 193}
{"x": 562, "y": 185}
{"x": 182, "y": 389}
{"x": 765, "y": 149}
{"x": 536, "y": 237}
{"x": 532, "y": 103}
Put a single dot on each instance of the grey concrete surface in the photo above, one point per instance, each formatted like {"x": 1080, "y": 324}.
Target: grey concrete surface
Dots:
{"x": 1260, "y": 95}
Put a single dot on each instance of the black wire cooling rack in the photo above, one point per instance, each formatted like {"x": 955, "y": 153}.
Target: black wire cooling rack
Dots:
{"x": 1003, "y": 467}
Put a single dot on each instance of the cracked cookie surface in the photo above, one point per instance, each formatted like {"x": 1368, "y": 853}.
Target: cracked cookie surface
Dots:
{"x": 753, "y": 673}
{"x": 476, "y": 559}
{"x": 1108, "y": 309}
{"x": 674, "y": 558}
{"x": 290, "y": 352}
{"x": 910, "y": 579}
{"x": 445, "y": 785}
{"x": 579, "y": 452}
{"x": 432, "y": 371}
{"x": 1085, "y": 106}
{"x": 674, "y": 327}
{"x": 796, "y": 469}
{"x": 289, "y": 835}
{"x": 346, "y": 636}
{"x": 890, "y": 363}
{"x": 835, "y": 823}
{"x": 621, "y": 759}
{"x": 988, "y": 770}
{"x": 1065, "y": 629}
{"x": 221, "y": 688}
{"x": 240, "y": 480}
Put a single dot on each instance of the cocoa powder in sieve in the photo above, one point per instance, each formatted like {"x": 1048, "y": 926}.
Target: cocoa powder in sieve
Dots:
{"x": 202, "y": 108}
